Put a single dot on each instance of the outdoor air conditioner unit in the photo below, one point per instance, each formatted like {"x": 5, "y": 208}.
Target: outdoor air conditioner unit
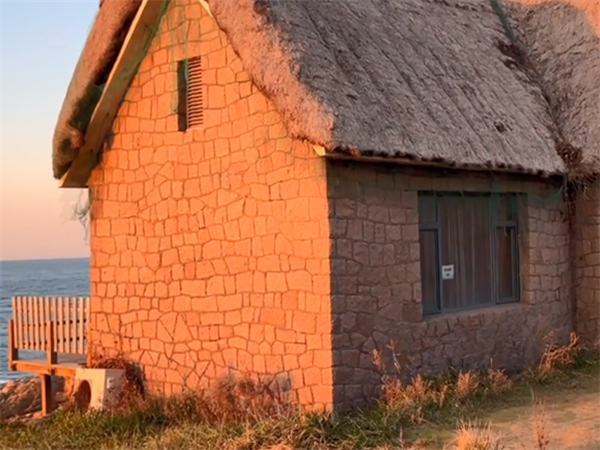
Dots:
{"x": 96, "y": 388}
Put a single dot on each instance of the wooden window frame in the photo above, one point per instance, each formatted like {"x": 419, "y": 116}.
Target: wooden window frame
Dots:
{"x": 495, "y": 224}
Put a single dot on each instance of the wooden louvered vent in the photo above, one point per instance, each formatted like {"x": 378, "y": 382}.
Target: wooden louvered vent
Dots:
{"x": 191, "y": 101}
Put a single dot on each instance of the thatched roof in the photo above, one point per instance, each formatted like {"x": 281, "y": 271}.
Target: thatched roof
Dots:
{"x": 99, "y": 54}
{"x": 563, "y": 42}
{"x": 429, "y": 80}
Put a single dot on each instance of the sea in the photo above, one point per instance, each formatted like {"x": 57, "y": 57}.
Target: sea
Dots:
{"x": 48, "y": 277}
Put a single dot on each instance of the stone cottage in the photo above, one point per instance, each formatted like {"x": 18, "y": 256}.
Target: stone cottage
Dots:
{"x": 281, "y": 187}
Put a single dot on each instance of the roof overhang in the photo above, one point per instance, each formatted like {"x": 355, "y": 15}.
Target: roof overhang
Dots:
{"x": 340, "y": 155}
{"x": 139, "y": 37}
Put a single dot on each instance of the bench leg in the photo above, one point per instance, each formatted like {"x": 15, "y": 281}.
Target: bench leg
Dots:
{"x": 46, "y": 381}
{"x": 13, "y": 350}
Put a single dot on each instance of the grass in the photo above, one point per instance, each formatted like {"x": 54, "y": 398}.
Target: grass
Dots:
{"x": 471, "y": 436}
{"x": 540, "y": 419}
{"x": 448, "y": 411}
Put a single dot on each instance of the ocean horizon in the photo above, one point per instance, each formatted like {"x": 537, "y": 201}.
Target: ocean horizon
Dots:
{"x": 69, "y": 277}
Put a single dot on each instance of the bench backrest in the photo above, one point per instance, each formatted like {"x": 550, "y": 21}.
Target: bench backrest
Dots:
{"x": 33, "y": 316}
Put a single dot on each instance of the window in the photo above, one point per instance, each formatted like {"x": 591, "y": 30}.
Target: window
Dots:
{"x": 190, "y": 105}
{"x": 469, "y": 250}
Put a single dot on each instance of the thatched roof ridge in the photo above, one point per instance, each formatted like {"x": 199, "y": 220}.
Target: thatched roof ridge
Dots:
{"x": 562, "y": 38}
{"x": 419, "y": 79}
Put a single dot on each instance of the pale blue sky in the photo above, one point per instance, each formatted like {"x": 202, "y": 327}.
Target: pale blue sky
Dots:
{"x": 40, "y": 42}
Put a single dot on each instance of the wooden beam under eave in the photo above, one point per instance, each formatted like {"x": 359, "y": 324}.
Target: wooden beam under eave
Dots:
{"x": 138, "y": 39}
{"x": 321, "y": 151}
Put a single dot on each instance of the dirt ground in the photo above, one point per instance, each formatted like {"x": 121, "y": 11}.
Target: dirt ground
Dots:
{"x": 568, "y": 412}
{"x": 569, "y": 417}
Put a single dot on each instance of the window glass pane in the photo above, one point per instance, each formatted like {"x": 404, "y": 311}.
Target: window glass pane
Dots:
{"x": 477, "y": 253}
{"x": 450, "y": 211}
{"x": 466, "y": 244}
{"x": 429, "y": 271}
{"x": 505, "y": 263}
{"x": 427, "y": 208}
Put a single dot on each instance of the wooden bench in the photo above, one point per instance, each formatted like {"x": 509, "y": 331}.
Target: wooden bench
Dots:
{"x": 55, "y": 325}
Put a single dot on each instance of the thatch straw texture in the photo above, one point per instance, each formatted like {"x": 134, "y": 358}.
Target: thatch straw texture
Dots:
{"x": 420, "y": 79}
{"x": 95, "y": 62}
{"x": 563, "y": 42}
{"x": 428, "y": 80}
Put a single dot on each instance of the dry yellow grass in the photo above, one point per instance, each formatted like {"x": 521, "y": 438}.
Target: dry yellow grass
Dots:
{"x": 422, "y": 394}
{"x": 471, "y": 436}
{"x": 466, "y": 384}
{"x": 559, "y": 356}
{"x": 540, "y": 423}
{"x": 498, "y": 381}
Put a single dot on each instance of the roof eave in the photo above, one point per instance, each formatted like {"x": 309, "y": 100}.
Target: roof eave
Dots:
{"x": 413, "y": 162}
{"x": 139, "y": 36}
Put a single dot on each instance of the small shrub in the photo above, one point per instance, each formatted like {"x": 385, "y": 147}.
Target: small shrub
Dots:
{"x": 559, "y": 357}
{"x": 420, "y": 399}
{"x": 132, "y": 391}
{"x": 470, "y": 436}
{"x": 246, "y": 399}
{"x": 232, "y": 400}
{"x": 413, "y": 400}
{"x": 466, "y": 385}
{"x": 498, "y": 381}
{"x": 555, "y": 359}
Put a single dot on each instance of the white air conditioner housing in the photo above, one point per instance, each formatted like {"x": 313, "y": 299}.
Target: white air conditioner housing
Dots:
{"x": 96, "y": 388}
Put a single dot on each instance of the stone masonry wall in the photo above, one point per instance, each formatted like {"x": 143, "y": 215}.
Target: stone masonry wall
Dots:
{"x": 210, "y": 247}
{"x": 376, "y": 286}
{"x": 585, "y": 231}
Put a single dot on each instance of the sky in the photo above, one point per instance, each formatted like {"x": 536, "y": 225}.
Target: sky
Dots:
{"x": 40, "y": 43}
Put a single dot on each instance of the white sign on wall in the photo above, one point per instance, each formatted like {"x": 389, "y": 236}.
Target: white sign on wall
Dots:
{"x": 448, "y": 272}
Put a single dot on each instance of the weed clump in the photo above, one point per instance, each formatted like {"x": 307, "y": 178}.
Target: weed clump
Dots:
{"x": 423, "y": 399}
{"x": 559, "y": 357}
{"x": 498, "y": 381}
{"x": 556, "y": 359}
{"x": 470, "y": 436}
{"x": 540, "y": 423}
{"x": 232, "y": 400}
{"x": 466, "y": 385}
{"x": 133, "y": 389}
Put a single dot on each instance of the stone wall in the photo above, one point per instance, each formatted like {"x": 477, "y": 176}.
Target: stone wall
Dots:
{"x": 210, "y": 247}
{"x": 376, "y": 287}
{"x": 585, "y": 231}
{"x": 231, "y": 246}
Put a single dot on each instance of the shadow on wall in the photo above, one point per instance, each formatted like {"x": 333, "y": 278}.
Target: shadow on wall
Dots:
{"x": 376, "y": 285}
